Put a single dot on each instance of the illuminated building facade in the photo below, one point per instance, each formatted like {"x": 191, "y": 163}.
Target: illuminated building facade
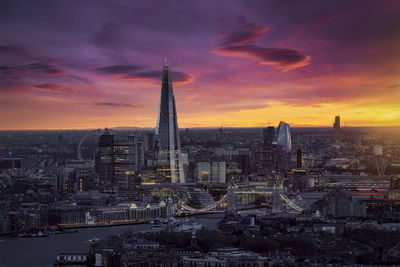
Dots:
{"x": 126, "y": 161}
{"x": 211, "y": 172}
{"x": 118, "y": 162}
{"x": 168, "y": 158}
{"x": 104, "y": 157}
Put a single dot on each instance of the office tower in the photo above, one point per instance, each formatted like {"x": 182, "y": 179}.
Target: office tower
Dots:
{"x": 185, "y": 164}
{"x": 268, "y": 137}
{"x": 104, "y": 158}
{"x": 118, "y": 161}
{"x": 283, "y": 146}
{"x": 267, "y": 152}
{"x": 168, "y": 158}
{"x": 299, "y": 158}
{"x": 336, "y": 125}
{"x": 336, "y": 129}
{"x": 220, "y": 136}
{"x": 148, "y": 142}
{"x": 125, "y": 162}
{"x": 218, "y": 172}
{"x": 211, "y": 172}
{"x": 244, "y": 164}
{"x": 203, "y": 171}
{"x": 284, "y": 137}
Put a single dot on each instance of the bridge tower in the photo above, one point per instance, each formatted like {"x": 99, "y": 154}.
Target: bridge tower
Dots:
{"x": 231, "y": 197}
{"x": 380, "y": 160}
{"x": 276, "y": 197}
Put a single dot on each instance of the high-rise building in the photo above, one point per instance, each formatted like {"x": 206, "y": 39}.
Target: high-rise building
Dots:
{"x": 336, "y": 124}
{"x": 214, "y": 172}
{"x": 104, "y": 158}
{"x": 284, "y": 138}
{"x": 283, "y": 146}
{"x": 118, "y": 161}
{"x": 336, "y": 129}
{"x": 148, "y": 141}
{"x": 168, "y": 158}
{"x": 126, "y": 161}
{"x": 299, "y": 164}
{"x": 268, "y": 137}
{"x": 267, "y": 153}
{"x": 218, "y": 172}
{"x": 203, "y": 171}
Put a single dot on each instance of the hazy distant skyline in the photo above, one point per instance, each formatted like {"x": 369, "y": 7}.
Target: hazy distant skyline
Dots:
{"x": 96, "y": 64}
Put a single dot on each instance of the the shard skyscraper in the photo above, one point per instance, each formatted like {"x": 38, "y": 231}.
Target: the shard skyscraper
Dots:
{"x": 168, "y": 157}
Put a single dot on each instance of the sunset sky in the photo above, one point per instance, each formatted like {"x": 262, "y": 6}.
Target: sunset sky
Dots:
{"x": 95, "y": 64}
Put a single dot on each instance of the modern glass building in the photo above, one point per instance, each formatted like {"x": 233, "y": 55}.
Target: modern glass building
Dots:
{"x": 284, "y": 137}
{"x": 118, "y": 161}
{"x": 283, "y": 146}
{"x": 168, "y": 157}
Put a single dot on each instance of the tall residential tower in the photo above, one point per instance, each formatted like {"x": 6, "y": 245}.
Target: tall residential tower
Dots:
{"x": 168, "y": 157}
{"x": 336, "y": 125}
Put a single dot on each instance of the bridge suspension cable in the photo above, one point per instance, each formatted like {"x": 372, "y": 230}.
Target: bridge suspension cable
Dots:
{"x": 291, "y": 203}
{"x": 208, "y": 208}
{"x": 283, "y": 197}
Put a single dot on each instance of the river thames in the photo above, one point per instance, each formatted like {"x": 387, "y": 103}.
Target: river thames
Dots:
{"x": 17, "y": 251}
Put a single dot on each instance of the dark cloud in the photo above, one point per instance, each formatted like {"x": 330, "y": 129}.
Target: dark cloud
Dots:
{"x": 245, "y": 33}
{"x": 238, "y": 43}
{"x": 393, "y": 86}
{"x": 238, "y": 106}
{"x": 177, "y": 76}
{"x": 12, "y": 49}
{"x": 55, "y": 88}
{"x": 109, "y": 34}
{"x": 117, "y": 69}
{"x": 40, "y": 67}
{"x": 80, "y": 79}
{"x": 286, "y": 59}
{"x": 114, "y": 104}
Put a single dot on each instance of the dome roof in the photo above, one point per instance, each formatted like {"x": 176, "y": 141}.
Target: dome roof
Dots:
{"x": 199, "y": 198}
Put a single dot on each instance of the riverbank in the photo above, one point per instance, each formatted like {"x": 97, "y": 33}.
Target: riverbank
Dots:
{"x": 43, "y": 251}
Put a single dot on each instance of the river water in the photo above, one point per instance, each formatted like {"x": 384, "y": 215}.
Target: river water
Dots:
{"x": 41, "y": 252}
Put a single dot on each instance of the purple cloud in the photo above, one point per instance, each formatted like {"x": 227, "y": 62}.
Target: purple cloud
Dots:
{"x": 55, "y": 88}
{"x": 12, "y": 49}
{"x": 285, "y": 59}
{"x": 177, "y": 76}
{"x": 117, "y": 69}
{"x": 239, "y": 43}
{"x": 243, "y": 34}
{"x": 40, "y": 67}
{"x": 115, "y": 104}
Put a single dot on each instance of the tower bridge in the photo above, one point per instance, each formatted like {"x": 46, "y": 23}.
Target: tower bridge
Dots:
{"x": 229, "y": 200}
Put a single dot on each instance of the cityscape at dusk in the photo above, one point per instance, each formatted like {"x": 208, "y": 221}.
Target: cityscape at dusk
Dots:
{"x": 239, "y": 64}
{"x": 199, "y": 133}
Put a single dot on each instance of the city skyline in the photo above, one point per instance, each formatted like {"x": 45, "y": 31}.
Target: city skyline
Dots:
{"x": 242, "y": 64}
{"x": 285, "y": 151}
